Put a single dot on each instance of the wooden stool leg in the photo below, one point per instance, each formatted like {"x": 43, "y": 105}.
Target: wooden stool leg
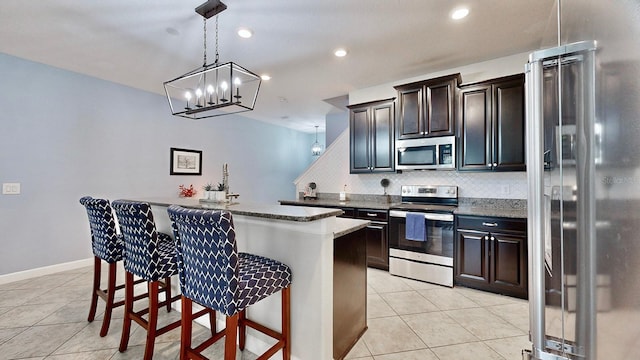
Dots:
{"x": 167, "y": 293}
{"x": 96, "y": 287}
{"x": 286, "y": 322}
{"x": 153, "y": 320}
{"x": 128, "y": 310}
{"x": 230, "y": 337}
{"x": 242, "y": 329}
{"x": 212, "y": 321}
{"x": 186, "y": 323}
{"x": 111, "y": 290}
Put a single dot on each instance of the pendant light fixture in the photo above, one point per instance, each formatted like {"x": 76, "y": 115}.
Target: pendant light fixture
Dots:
{"x": 214, "y": 89}
{"x": 316, "y": 148}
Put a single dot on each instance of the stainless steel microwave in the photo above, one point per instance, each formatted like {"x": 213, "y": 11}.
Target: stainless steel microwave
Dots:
{"x": 437, "y": 153}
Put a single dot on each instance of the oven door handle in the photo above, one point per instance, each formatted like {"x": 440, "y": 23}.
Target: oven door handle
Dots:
{"x": 427, "y": 216}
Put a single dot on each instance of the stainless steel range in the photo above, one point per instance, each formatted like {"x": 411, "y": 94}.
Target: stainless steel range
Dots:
{"x": 423, "y": 249}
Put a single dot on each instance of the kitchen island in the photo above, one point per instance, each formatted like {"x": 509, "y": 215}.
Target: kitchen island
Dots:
{"x": 327, "y": 256}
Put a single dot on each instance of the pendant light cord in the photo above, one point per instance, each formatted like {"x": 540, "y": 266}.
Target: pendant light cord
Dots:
{"x": 217, "y": 55}
{"x": 205, "y": 42}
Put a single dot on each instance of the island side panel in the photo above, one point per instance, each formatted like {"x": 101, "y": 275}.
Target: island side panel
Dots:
{"x": 350, "y": 291}
{"x": 307, "y": 247}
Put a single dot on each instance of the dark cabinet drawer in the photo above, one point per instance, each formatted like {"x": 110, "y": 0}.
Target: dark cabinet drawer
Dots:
{"x": 491, "y": 224}
{"x": 373, "y": 215}
{"x": 348, "y": 213}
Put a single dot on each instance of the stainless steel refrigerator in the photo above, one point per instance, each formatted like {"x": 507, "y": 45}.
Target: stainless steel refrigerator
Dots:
{"x": 583, "y": 169}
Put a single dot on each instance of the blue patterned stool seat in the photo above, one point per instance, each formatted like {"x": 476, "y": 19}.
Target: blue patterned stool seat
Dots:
{"x": 213, "y": 274}
{"x": 150, "y": 255}
{"x": 259, "y": 278}
{"x": 107, "y": 245}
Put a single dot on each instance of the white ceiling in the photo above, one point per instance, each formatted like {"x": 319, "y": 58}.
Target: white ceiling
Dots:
{"x": 142, "y": 43}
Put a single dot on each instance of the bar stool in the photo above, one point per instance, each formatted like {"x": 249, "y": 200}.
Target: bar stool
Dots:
{"x": 150, "y": 255}
{"x": 107, "y": 245}
{"x": 213, "y": 274}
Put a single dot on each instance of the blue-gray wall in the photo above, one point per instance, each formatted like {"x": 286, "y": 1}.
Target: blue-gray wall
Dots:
{"x": 64, "y": 135}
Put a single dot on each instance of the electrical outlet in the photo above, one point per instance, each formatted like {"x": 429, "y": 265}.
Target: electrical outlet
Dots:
{"x": 11, "y": 189}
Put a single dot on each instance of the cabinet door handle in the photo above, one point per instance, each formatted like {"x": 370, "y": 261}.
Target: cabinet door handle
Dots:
{"x": 375, "y": 227}
{"x": 372, "y": 214}
{"x": 495, "y": 164}
{"x": 489, "y": 224}
{"x": 489, "y": 165}
{"x": 493, "y": 238}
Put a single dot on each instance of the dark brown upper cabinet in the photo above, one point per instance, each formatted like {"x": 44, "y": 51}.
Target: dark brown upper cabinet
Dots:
{"x": 371, "y": 137}
{"x": 491, "y": 125}
{"x": 426, "y": 108}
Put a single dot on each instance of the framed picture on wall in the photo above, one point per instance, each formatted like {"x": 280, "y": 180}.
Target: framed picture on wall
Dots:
{"x": 185, "y": 162}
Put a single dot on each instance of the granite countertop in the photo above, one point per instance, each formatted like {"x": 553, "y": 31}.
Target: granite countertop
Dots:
{"x": 269, "y": 211}
{"x": 346, "y": 226}
{"x": 361, "y": 204}
{"x": 509, "y": 208}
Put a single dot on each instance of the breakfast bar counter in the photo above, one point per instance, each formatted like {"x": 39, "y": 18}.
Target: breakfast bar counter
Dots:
{"x": 323, "y": 252}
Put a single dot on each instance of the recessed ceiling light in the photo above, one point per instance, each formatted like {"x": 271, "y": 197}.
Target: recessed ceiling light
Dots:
{"x": 340, "y": 53}
{"x": 265, "y": 77}
{"x": 245, "y": 33}
{"x": 459, "y": 13}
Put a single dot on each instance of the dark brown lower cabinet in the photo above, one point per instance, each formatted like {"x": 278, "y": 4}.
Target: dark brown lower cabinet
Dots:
{"x": 491, "y": 254}
{"x": 349, "y": 291}
{"x": 377, "y": 239}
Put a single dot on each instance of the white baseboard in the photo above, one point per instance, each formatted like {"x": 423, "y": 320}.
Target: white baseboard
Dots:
{"x": 46, "y": 270}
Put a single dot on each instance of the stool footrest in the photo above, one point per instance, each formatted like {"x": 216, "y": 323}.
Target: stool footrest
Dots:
{"x": 263, "y": 329}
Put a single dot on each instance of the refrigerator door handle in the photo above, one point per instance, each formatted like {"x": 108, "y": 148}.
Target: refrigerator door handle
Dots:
{"x": 538, "y": 209}
{"x": 535, "y": 208}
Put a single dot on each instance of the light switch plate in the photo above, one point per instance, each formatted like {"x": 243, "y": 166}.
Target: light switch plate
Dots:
{"x": 10, "y": 188}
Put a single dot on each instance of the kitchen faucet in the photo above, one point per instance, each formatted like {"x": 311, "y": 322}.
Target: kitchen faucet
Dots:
{"x": 225, "y": 183}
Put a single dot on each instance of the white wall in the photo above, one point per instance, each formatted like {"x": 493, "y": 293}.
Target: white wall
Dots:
{"x": 331, "y": 171}
{"x": 335, "y": 125}
{"x": 64, "y": 135}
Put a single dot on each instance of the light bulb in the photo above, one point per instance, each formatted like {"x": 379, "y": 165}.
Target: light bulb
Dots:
{"x": 224, "y": 86}
{"x": 237, "y": 81}
{"x": 198, "y": 92}
{"x": 210, "y": 89}
{"x": 187, "y": 96}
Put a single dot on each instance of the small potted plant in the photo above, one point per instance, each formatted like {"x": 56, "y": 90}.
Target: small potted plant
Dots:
{"x": 208, "y": 190}
{"x": 218, "y": 193}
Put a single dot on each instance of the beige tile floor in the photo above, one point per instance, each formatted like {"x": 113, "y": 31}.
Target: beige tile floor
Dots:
{"x": 45, "y": 318}
{"x": 412, "y": 320}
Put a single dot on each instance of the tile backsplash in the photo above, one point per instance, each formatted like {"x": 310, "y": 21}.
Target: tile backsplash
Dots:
{"x": 330, "y": 172}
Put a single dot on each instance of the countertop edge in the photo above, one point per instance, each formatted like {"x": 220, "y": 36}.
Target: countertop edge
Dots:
{"x": 339, "y": 204}
{"x": 273, "y": 215}
{"x": 347, "y": 226}
{"x": 492, "y": 212}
